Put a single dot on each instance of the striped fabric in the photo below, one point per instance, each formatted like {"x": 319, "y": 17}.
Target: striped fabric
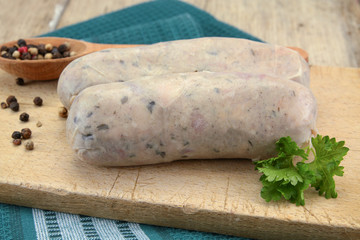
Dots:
{"x": 56, "y": 225}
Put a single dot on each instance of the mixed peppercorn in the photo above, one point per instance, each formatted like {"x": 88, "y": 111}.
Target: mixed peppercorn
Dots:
{"x": 25, "y": 133}
{"x": 23, "y": 51}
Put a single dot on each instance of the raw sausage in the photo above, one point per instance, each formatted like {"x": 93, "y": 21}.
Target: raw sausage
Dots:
{"x": 204, "y": 115}
{"x": 214, "y": 54}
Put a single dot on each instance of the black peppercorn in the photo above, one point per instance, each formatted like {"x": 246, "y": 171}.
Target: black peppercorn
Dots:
{"x": 20, "y": 81}
{"x": 24, "y": 117}
{"x": 21, "y": 42}
{"x": 14, "y": 106}
{"x": 56, "y": 55}
{"x": 25, "y": 133}
{"x": 26, "y": 56}
{"x": 5, "y": 55}
{"x": 17, "y": 141}
{"x": 11, "y": 99}
{"x": 12, "y": 50}
{"x": 41, "y": 49}
{"x": 63, "y": 48}
{"x": 16, "y": 135}
{"x": 4, "y": 105}
{"x": 4, "y": 48}
{"x": 38, "y": 101}
{"x": 66, "y": 54}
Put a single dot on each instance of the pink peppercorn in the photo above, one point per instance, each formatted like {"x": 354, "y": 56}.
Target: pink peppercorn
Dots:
{"x": 23, "y": 49}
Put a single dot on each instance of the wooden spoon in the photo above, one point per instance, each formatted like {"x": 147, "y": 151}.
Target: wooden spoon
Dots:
{"x": 48, "y": 69}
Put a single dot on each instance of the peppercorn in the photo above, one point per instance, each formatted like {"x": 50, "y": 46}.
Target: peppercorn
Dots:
{"x": 5, "y": 55}
{"x": 16, "y": 135}
{"x": 11, "y": 99}
{"x": 17, "y": 141}
{"x": 38, "y": 124}
{"x": 24, "y": 117}
{"x": 66, "y": 54}
{"x": 72, "y": 53}
{"x": 25, "y": 133}
{"x": 54, "y": 50}
{"x": 26, "y": 56}
{"x": 4, "y": 48}
{"x": 48, "y": 56}
{"x": 40, "y": 57}
{"x": 20, "y": 81}
{"x": 63, "y": 48}
{"x": 38, "y": 101}
{"x": 16, "y": 54}
{"x": 33, "y": 51}
{"x": 12, "y": 50}
{"x": 21, "y": 42}
{"x": 56, "y": 54}
{"x": 23, "y": 49}
{"x": 41, "y": 49}
{"x": 4, "y": 105}
{"x": 48, "y": 47}
{"x": 14, "y": 106}
{"x": 63, "y": 112}
{"x": 29, "y": 145}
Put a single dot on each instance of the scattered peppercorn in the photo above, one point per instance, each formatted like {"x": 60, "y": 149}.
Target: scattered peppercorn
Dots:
{"x": 38, "y": 101}
{"x": 63, "y": 112}
{"x": 25, "y": 133}
{"x": 14, "y": 106}
{"x": 38, "y": 124}
{"x": 11, "y": 99}
{"x": 17, "y": 141}
{"x": 4, "y": 105}
{"x": 16, "y": 135}
{"x": 29, "y": 145}
{"x": 24, "y": 117}
{"x": 20, "y": 81}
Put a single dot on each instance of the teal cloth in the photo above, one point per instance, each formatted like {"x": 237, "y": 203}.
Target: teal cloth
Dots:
{"x": 146, "y": 23}
{"x": 151, "y": 22}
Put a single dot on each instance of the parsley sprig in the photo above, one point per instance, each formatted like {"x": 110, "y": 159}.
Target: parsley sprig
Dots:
{"x": 282, "y": 179}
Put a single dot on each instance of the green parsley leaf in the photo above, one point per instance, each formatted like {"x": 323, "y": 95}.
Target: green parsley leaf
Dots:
{"x": 328, "y": 156}
{"x": 282, "y": 179}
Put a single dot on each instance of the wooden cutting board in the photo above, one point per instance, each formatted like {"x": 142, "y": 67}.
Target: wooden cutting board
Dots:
{"x": 219, "y": 196}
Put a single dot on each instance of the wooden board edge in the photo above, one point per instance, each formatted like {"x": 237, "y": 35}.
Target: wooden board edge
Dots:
{"x": 185, "y": 217}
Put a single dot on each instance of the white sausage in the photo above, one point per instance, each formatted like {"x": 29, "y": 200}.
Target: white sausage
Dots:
{"x": 213, "y": 54}
{"x": 189, "y": 116}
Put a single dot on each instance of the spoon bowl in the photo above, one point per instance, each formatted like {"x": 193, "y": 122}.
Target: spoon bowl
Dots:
{"x": 47, "y": 69}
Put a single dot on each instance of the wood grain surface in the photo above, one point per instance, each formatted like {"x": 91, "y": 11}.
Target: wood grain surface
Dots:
{"x": 208, "y": 195}
{"x": 329, "y": 30}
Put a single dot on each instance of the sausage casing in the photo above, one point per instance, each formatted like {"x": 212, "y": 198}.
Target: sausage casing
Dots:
{"x": 203, "y": 115}
{"x": 214, "y": 54}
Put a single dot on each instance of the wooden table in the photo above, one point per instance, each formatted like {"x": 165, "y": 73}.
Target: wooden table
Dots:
{"x": 328, "y": 30}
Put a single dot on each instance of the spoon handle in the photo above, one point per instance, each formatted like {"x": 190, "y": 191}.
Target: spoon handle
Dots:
{"x": 93, "y": 47}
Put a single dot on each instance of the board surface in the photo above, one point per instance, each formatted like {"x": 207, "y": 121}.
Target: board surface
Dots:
{"x": 208, "y": 195}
